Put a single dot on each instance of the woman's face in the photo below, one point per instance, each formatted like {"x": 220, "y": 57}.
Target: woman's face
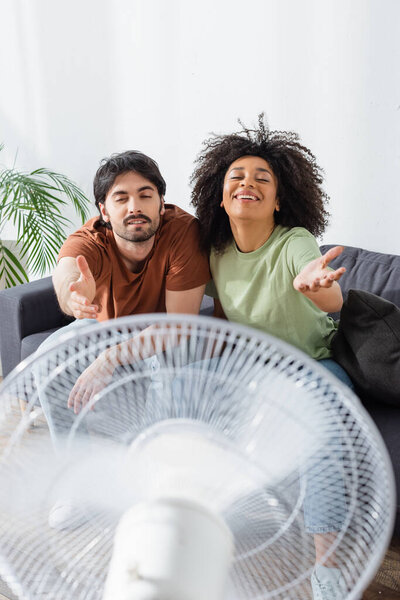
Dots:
{"x": 250, "y": 189}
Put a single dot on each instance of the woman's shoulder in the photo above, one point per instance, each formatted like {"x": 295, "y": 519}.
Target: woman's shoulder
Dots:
{"x": 297, "y": 247}
{"x": 297, "y": 239}
{"x": 291, "y": 233}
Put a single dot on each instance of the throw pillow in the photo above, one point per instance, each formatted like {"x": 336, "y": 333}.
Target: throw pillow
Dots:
{"x": 367, "y": 345}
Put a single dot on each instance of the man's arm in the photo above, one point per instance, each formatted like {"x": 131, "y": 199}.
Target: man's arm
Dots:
{"x": 96, "y": 377}
{"x": 75, "y": 287}
{"x": 184, "y": 302}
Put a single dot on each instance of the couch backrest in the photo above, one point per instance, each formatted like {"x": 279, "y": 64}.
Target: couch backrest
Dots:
{"x": 373, "y": 272}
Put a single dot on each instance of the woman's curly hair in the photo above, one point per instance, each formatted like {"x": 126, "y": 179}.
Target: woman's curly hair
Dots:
{"x": 299, "y": 179}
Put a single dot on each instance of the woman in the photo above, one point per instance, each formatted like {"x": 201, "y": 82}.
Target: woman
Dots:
{"x": 259, "y": 199}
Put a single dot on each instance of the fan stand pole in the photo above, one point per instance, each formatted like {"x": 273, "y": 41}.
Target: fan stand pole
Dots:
{"x": 169, "y": 550}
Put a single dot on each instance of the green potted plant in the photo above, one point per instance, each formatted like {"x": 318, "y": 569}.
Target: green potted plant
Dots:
{"x": 34, "y": 203}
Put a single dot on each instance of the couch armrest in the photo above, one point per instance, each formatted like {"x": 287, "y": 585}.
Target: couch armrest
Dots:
{"x": 26, "y": 309}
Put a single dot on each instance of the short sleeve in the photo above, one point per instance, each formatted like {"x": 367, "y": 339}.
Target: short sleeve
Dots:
{"x": 301, "y": 249}
{"x": 188, "y": 265}
{"x": 80, "y": 243}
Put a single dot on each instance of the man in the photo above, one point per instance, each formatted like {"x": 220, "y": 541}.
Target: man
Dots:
{"x": 139, "y": 256}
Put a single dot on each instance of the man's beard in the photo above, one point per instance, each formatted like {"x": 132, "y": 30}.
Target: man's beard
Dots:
{"x": 146, "y": 231}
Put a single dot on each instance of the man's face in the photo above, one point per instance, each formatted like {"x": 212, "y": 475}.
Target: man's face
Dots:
{"x": 133, "y": 207}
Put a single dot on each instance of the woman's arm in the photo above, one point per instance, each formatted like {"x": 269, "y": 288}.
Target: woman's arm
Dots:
{"x": 319, "y": 284}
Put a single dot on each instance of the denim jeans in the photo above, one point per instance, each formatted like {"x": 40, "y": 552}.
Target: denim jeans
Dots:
{"x": 337, "y": 371}
{"x": 325, "y": 498}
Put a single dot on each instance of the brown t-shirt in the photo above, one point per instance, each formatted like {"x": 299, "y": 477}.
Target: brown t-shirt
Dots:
{"x": 174, "y": 263}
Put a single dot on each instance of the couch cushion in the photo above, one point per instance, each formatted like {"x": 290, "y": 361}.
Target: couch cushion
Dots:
{"x": 207, "y": 306}
{"x": 367, "y": 345}
{"x": 31, "y": 343}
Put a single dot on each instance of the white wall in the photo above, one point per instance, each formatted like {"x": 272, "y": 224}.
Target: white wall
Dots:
{"x": 82, "y": 79}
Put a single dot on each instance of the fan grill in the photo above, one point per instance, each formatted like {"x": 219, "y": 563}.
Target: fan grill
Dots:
{"x": 288, "y": 423}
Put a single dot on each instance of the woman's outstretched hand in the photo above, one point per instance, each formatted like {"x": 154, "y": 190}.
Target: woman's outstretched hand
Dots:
{"x": 316, "y": 275}
{"x": 318, "y": 283}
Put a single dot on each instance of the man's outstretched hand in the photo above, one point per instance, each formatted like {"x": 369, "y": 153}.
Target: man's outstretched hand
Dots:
{"x": 83, "y": 291}
{"x": 316, "y": 275}
{"x": 92, "y": 381}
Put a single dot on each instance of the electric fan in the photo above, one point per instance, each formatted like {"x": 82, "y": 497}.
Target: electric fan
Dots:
{"x": 196, "y": 468}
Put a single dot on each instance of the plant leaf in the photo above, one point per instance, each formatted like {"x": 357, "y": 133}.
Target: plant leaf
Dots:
{"x": 11, "y": 267}
{"x": 34, "y": 203}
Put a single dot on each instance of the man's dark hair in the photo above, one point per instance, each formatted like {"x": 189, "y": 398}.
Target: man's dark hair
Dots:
{"x": 117, "y": 164}
{"x": 299, "y": 181}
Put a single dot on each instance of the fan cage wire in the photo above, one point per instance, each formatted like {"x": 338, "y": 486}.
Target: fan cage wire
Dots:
{"x": 220, "y": 334}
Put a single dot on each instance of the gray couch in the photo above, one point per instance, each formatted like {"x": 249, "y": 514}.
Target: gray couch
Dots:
{"x": 29, "y": 313}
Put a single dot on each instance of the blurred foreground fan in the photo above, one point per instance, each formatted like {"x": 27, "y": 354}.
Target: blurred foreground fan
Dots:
{"x": 193, "y": 470}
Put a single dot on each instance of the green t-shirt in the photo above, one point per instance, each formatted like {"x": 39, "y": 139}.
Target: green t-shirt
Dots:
{"x": 256, "y": 289}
